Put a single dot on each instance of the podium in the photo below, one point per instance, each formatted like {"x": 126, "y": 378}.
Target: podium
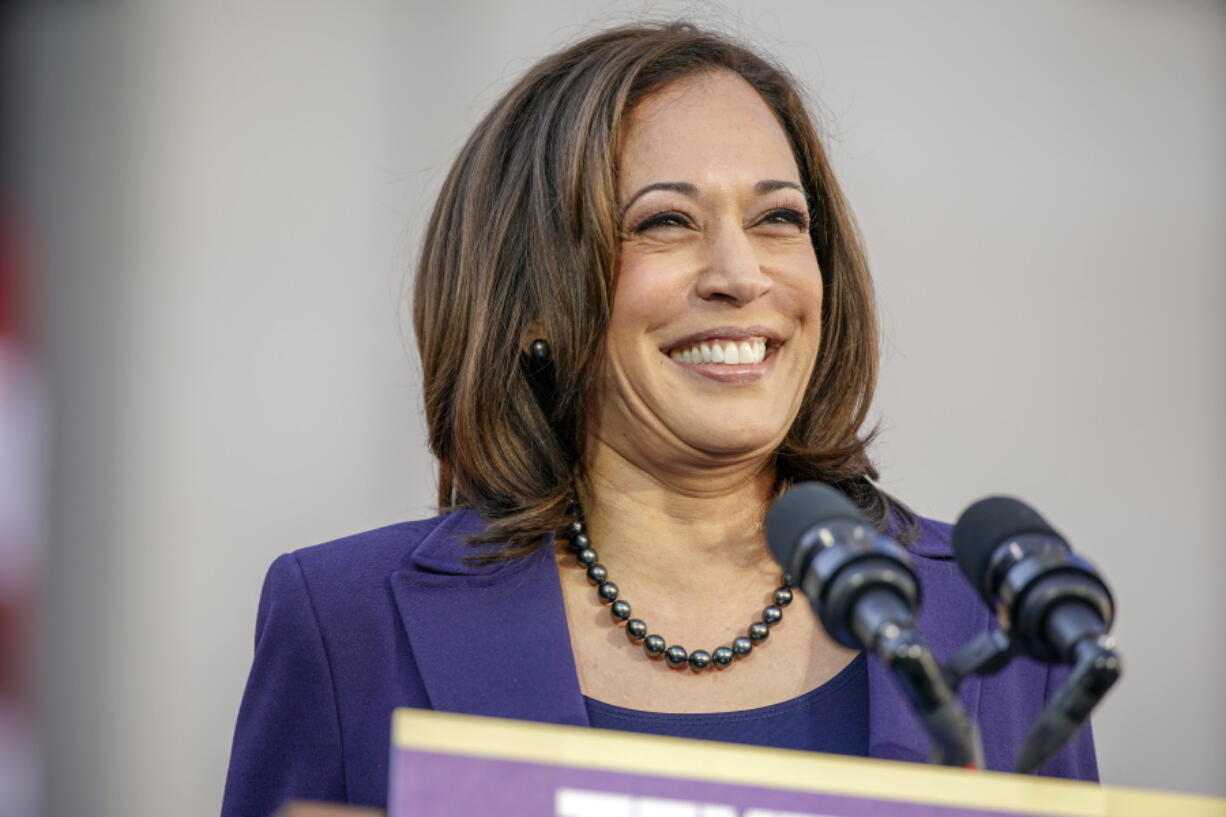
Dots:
{"x": 447, "y": 764}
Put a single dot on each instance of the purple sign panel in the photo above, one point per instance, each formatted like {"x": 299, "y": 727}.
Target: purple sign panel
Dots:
{"x": 433, "y": 784}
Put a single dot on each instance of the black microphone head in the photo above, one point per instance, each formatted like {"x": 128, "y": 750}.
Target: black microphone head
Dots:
{"x": 801, "y": 507}
{"x": 987, "y": 525}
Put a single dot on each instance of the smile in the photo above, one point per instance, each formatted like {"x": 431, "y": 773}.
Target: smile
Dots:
{"x": 722, "y": 353}
{"x": 728, "y": 354}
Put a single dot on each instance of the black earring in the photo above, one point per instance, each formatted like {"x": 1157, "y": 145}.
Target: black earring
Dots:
{"x": 540, "y": 350}
{"x": 538, "y": 368}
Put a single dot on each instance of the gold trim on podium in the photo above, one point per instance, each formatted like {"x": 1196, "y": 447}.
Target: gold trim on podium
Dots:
{"x": 607, "y": 750}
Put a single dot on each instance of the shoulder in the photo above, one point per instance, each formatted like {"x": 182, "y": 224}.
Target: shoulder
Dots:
{"x": 331, "y": 660}
{"x": 951, "y": 611}
{"x": 394, "y": 547}
{"x": 342, "y": 573}
{"x": 932, "y": 538}
{"x": 385, "y": 546}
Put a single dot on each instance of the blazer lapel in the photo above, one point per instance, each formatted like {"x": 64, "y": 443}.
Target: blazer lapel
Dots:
{"x": 894, "y": 731}
{"x": 488, "y": 640}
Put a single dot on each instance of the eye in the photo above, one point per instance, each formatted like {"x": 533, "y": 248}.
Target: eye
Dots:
{"x": 672, "y": 218}
{"x": 786, "y": 215}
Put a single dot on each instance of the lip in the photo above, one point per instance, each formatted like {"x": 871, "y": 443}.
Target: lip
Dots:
{"x": 723, "y": 373}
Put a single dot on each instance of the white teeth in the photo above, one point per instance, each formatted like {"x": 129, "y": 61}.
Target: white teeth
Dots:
{"x": 730, "y": 353}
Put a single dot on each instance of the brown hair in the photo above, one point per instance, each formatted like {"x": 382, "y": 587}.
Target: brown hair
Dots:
{"x": 524, "y": 237}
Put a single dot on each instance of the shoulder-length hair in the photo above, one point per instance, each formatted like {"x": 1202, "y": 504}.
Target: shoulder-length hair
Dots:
{"x": 524, "y": 239}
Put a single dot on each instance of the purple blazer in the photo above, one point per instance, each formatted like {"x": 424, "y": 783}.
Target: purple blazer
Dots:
{"x": 349, "y": 630}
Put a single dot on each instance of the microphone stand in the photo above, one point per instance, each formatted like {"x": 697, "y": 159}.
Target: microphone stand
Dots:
{"x": 955, "y": 737}
{"x": 1096, "y": 668}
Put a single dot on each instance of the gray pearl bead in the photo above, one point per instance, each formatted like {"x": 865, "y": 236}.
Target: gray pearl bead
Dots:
{"x": 620, "y": 610}
{"x": 783, "y": 597}
{"x": 787, "y": 580}
{"x": 607, "y": 591}
{"x": 675, "y": 655}
{"x": 723, "y": 656}
{"x": 700, "y": 660}
{"x": 574, "y": 529}
{"x": 636, "y": 628}
{"x": 742, "y": 646}
{"x": 586, "y": 556}
{"x": 771, "y": 616}
{"x": 758, "y": 631}
{"x": 597, "y": 573}
{"x": 654, "y": 645}
{"x": 579, "y": 541}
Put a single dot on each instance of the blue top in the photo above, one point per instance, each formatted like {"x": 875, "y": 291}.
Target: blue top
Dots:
{"x": 397, "y": 617}
{"x": 832, "y": 718}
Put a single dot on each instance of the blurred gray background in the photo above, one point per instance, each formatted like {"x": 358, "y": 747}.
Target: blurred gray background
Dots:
{"x": 227, "y": 198}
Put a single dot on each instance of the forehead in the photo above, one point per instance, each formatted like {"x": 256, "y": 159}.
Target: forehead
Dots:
{"x": 709, "y": 129}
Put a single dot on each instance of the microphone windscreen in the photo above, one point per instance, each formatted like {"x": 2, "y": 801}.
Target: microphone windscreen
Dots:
{"x": 803, "y": 506}
{"x": 987, "y": 525}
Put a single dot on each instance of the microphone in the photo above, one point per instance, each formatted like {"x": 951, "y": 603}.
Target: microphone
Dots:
{"x": 1050, "y": 603}
{"x": 864, "y": 592}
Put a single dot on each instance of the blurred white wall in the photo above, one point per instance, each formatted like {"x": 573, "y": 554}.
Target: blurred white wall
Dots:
{"x": 232, "y": 193}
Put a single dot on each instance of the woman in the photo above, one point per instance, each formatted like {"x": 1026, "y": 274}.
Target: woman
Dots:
{"x": 654, "y": 204}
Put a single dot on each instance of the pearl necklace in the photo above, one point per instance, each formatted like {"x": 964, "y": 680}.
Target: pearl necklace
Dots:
{"x": 654, "y": 646}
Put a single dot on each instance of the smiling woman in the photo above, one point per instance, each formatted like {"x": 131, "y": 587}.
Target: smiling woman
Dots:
{"x": 654, "y": 205}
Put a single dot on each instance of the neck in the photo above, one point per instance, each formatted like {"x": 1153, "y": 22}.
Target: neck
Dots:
{"x": 690, "y": 525}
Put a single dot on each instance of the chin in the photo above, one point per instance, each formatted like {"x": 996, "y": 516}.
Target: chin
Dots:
{"x": 732, "y": 439}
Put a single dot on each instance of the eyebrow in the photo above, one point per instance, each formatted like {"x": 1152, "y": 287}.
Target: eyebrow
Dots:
{"x": 687, "y": 189}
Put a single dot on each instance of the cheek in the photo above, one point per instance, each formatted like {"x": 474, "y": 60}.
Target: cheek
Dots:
{"x": 799, "y": 282}
{"x": 806, "y": 293}
{"x": 813, "y": 316}
{"x": 813, "y": 300}
{"x": 648, "y": 294}
{"x": 807, "y": 284}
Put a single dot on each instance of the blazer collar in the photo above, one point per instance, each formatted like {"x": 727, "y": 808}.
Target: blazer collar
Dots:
{"x": 489, "y": 640}
{"x": 444, "y": 549}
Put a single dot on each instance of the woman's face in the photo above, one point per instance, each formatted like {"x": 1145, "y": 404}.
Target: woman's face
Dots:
{"x": 717, "y": 309}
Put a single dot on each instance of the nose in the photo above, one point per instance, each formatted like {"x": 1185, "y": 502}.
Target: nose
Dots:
{"x": 732, "y": 272}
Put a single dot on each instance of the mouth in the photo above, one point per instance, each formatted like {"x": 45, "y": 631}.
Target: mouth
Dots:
{"x": 727, "y": 354}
